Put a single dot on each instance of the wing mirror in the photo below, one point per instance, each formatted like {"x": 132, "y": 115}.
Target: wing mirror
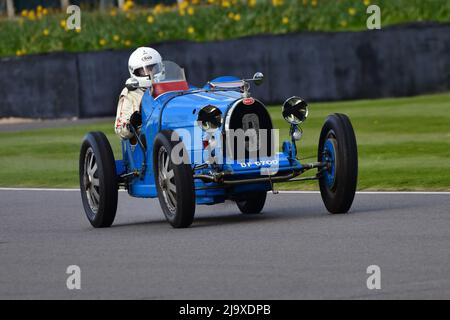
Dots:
{"x": 132, "y": 84}
{"x": 258, "y": 78}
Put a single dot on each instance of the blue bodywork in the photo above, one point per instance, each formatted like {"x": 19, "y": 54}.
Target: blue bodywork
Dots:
{"x": 178, "y": 111}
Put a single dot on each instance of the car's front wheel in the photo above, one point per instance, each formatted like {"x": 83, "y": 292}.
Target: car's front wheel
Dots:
{"x": 337, "y": 148}
{"x": 174, "y": 181}
{"x": 98, "y": 180}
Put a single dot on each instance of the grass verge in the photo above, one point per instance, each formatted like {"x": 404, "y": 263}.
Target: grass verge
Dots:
{"x": 404, "y": 144}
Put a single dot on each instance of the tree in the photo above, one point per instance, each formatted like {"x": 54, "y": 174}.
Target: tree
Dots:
{"x": 10, "y": 8}
{"x": 64, "y": 4}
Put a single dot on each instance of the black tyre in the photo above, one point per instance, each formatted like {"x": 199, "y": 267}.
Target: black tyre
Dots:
{"x": 174, "y": 181}
{"x": 337, "y": 147}
{"x": 252, "y": 203}
{"x": 98, "y": 180}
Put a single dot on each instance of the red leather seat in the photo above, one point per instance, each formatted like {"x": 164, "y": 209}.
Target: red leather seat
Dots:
{"x": 160, "y": 88}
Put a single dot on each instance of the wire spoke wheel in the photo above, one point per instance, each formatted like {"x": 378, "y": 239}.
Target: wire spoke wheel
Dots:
{"x": 98, "y": 180}
{"x": 92, "y": 183}
{"x": 167, "y": 180}
{"x": 174, "y": 182}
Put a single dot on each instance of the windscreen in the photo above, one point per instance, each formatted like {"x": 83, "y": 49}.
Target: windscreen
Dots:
{"x": 172, "y": 72}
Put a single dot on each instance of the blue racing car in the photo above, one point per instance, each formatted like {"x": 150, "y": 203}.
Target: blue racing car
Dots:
{"x": 206, "y": 145}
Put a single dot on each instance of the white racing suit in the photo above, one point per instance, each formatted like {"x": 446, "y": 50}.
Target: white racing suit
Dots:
{"x": 129, "y": 102}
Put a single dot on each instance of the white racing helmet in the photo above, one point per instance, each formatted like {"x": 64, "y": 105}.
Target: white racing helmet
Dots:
{"x": 145, "y": 65}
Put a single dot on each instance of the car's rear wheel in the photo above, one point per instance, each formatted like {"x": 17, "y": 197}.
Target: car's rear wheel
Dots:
{"x": 98, "y": 180}
{"x": 252, "y": 203}
{"x": 337, "y": 147}
{"x": 174, "y": 181}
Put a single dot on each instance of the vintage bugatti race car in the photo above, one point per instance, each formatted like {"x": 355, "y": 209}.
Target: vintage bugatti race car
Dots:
{"x": 211, "y": 144}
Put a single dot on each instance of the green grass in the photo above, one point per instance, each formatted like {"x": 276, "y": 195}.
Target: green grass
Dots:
{"x": 404, "y": 144}
{"x": 37, "y": 31}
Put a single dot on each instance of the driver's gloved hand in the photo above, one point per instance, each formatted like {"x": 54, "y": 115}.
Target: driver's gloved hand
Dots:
{"x": 136, "y": 120}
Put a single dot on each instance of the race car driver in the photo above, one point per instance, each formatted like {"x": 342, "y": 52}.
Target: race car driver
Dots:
{"x": 145, "y": 65}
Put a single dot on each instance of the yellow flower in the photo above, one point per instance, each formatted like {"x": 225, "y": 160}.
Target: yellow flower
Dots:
{"x": 24, "y": 13}
{"x": 150, "y": 19}
{"x": 62, "y": 23}
{"x": 226, "y": 4}
{"x": 211, "y": 1}
{"x": 102, "y": 42}
{"x": 277, "y": 3}
{"x": 190, "y": 11}
{"x": 237, "y": 17}
{"x": 45, "y": 32}
{"x": 230, "y": 15}
{"x": 113, "y": 12}
{"x": 285, "y": 20}
{"x": 366, "y": 2}
{"x": 195, "y": 1}
{"x": 314, "y": 3}
{"x": 127, "y": 43}
{"x": 20, "y": 52}
{"x": 44, "y": 11}
{"x": 127, "y": 5}
{"x": 182, "y": 12}
{"x": 116, "y": 38}
{"x": 305, "y": 2}
{"x": 31, "y": 15}
{"x": 343, "y": 23}
{"x": 251, "y": 3}
{"x": 158, "y": 8}
{"x": 39, "y": 8}
{"x": 183, "y": 5}
{"x": 78, "y": 30}
{"x": 351, "y": 11}
{"x": 190, "y": 30}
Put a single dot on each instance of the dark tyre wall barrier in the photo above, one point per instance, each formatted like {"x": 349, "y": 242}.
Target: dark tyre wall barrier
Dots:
{"x": 396, "y": 61}
{"x": 39, "y": 86}
{"x": 102, "y": 77}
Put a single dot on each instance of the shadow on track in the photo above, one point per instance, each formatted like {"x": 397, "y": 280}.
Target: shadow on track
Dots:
{"x": 228, "y": 214}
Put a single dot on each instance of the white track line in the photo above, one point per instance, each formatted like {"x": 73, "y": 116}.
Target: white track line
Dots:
{"x": 287, "y": 191}
{"x": 374, "y": 192}
{"x": 38, "y": 189}
{"x": 44, "y": 189}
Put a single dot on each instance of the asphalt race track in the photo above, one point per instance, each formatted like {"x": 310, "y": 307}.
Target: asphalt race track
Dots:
{"x": 295, "y": 250}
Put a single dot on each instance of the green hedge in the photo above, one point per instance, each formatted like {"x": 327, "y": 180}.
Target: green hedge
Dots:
{"x": 43, "y": 30}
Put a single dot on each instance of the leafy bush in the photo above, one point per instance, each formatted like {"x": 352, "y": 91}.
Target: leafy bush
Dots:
{"x": 44, "y": 30}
